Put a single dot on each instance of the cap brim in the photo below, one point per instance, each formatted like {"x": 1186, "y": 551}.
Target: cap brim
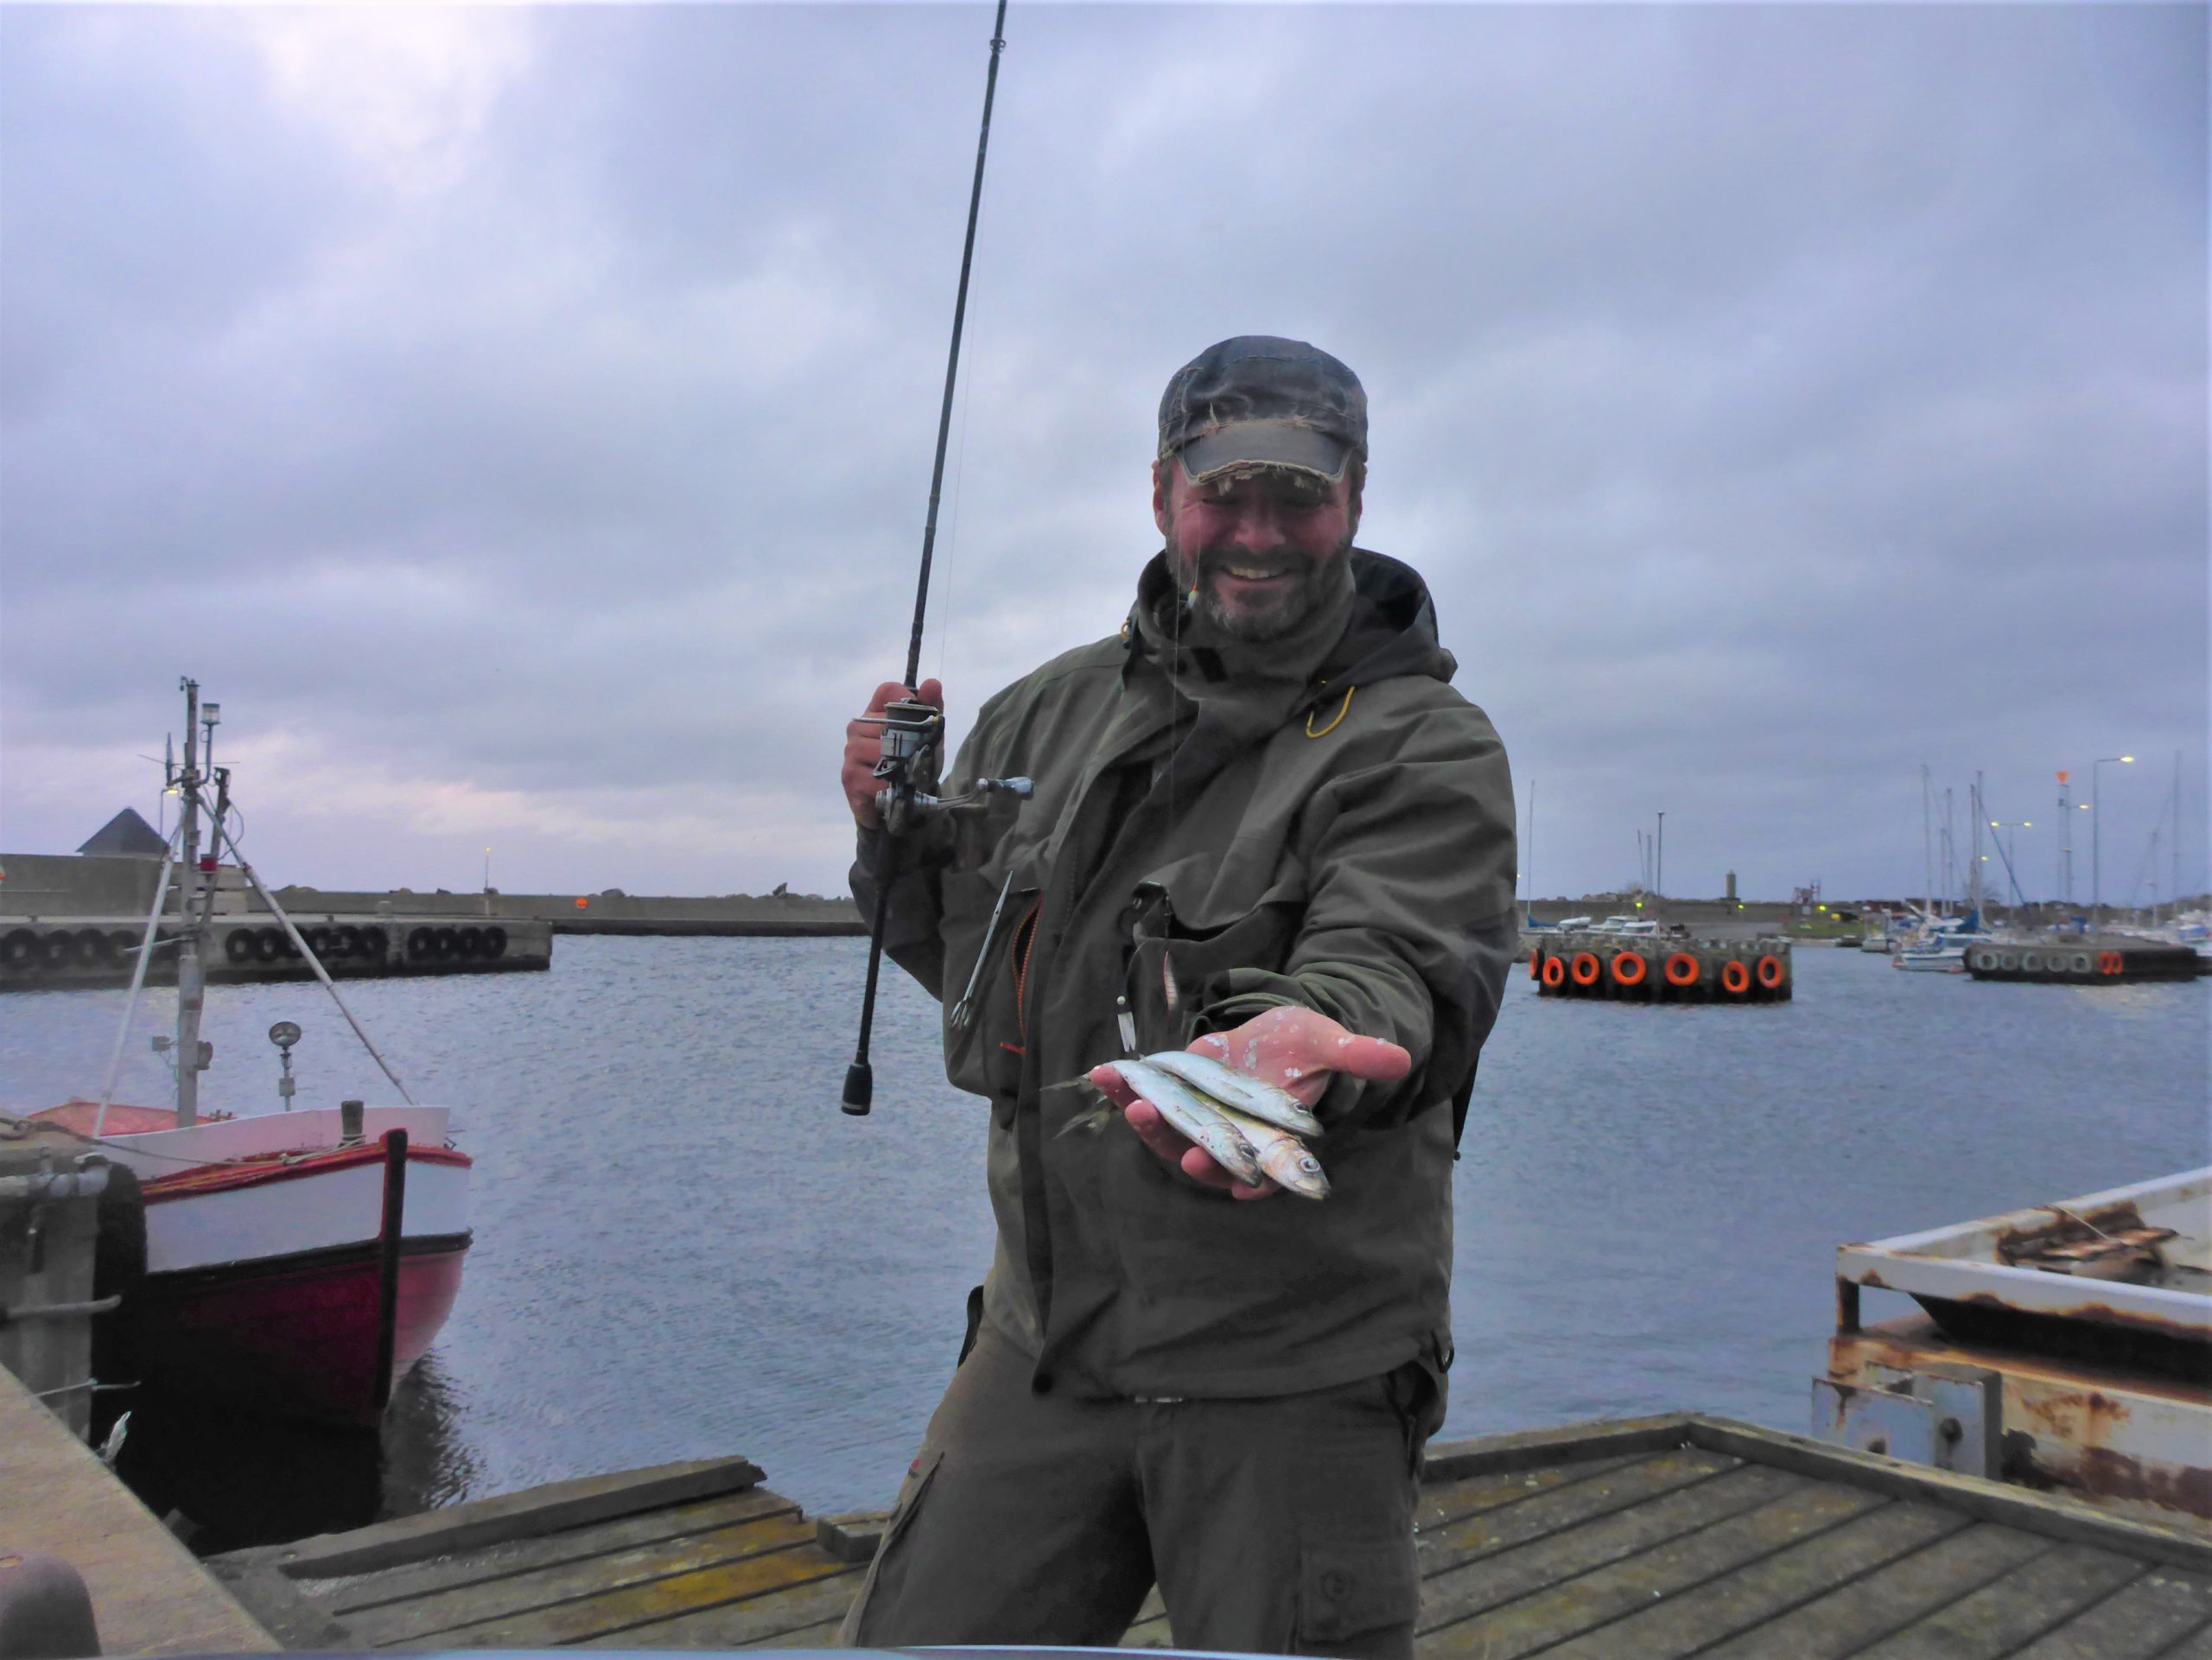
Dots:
{"x": 1264, "y": 443}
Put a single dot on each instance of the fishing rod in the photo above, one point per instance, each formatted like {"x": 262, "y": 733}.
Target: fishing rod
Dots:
{"x": 913, "y": 732}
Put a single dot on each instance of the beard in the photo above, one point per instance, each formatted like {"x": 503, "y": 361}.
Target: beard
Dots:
{"x": 1309, "y": 581}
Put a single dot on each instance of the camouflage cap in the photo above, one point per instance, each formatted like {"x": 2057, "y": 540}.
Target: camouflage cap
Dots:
{"x": 1260, "y": 401}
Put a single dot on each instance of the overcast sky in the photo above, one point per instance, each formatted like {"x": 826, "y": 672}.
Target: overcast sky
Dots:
{"x": 520, "y": 419}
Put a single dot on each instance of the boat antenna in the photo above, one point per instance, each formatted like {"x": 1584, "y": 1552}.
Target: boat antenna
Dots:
{"x": 912, "y": 729}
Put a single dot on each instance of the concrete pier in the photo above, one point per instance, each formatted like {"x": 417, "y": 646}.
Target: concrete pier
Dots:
{"x": 1647, "y": 968}
{"x": 2107, "y": 961}
{"x": 47, "y": 954}
{"x": 148, "y": 1595}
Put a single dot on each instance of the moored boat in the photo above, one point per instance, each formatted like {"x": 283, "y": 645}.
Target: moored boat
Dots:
{"x": 293, "y": 1262}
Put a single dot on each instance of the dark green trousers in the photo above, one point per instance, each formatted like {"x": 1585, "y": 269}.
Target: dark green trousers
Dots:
{"x": 1282, "y": 1525}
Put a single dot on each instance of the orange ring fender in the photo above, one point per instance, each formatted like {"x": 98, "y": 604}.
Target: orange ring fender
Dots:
{"x": 1554, "y": 972}
{"x": 2110, "y": 962}
{"x": 1629, "y": 969}
{"x": 1769, "y": 972}
{"x": 1681, "y": 969}
{"x": 1735, "y": 978}
{"x": 1585, "y": 970}
{"x": 1535, "y": 961}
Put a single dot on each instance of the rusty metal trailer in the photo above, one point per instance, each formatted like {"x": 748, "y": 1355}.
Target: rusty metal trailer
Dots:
{"x": 2067, "y": 1346}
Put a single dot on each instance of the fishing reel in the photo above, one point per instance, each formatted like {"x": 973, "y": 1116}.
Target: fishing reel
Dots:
{"x": 913, "y": 745}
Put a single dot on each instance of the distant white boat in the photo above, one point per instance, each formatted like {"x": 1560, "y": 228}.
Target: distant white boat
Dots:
{"x": 1930, "y": 959}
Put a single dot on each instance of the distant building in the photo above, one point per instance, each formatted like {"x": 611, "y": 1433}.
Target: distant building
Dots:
{"x": 1732, "y": 886}
{"x": 126, "y": 836}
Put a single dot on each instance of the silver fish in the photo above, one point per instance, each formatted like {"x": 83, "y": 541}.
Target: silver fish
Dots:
{"x": 1195, "y": 1116}
{"x": 1248, "y": 1095}
{"x": 1281, "y": 1155}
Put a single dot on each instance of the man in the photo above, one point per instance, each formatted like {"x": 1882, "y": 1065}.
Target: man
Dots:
{"x": 1264, "y": 827}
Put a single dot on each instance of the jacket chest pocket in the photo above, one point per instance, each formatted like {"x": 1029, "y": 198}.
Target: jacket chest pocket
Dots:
{"x": 1193, "y": 920}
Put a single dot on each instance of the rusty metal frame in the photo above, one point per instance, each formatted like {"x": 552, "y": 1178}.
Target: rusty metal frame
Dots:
{"x": 1958, "y": 1264}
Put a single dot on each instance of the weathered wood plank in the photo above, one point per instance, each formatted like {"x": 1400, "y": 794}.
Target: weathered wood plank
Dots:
{"x": 1457, "y": 1592}
{"x": 1478, "y": 1516}
{"x": 1149, "y": 1630}
{"x": 513, "y": 1516}
{"x": 635, "y": 1606}
{"x": 2142, "y": 1619}
{"x": 1749, "y": 1597}
{"x": 1565, "y": 1607}
{"x": 824, "y": 1635}
{"x": 1987, "y": 1501}
{"x": 518, "y": 1595}
{"x": 1562, "y": 1508}
{"x": 2012, "y": 1610}
{"x": 1447, "y": 1501}
{"x": 768, "y": 1618}
{"x": 274, "y": 1602}
{"x": 343, "y": 1595}
{"x": 1533, "y": 1449}
{"x": 1874, "y": 1605}
{"x": 2197, "y": 1645}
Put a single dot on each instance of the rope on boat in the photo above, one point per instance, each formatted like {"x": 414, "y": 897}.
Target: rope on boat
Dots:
{"x": 137, "y": 978}
{"x": 313, "y": 961}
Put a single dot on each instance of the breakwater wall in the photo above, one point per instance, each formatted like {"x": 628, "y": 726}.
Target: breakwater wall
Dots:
{"x": 91, "y": 952}
{"x": 1617, "y": 968}
{"x": 610, "y": 911}
{"x": 2109, "y": 961}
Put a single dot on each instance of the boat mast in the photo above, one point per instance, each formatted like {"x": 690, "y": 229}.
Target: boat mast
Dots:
{"x": 1529, "y": 857}
{"x": 2175, "y": 851}
{"x": 1927, "y": 848}
{"x": 191, "y": 1056}
{"x": 1974, "y": 864}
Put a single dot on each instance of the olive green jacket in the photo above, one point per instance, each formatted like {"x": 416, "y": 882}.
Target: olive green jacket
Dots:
{"x": 1219, "y": 828}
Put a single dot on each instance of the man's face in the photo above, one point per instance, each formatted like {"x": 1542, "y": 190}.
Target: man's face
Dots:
{"x": 1261, "y": 548}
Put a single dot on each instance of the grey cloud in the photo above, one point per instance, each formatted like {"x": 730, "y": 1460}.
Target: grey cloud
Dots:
{"x": 1775, "y": 398}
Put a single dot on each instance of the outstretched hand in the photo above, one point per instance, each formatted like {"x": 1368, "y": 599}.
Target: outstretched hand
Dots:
{"x": 1299, "y": 1049}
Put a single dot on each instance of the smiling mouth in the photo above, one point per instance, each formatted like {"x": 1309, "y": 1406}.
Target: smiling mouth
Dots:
{"x": 1253, "y": 573}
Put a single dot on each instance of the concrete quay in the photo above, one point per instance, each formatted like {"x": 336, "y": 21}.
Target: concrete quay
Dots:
{"x": 611, "y": 911}
{"x": 149, "y": 1596}
{"x": 89, "y": 952}
{"x": 1645, "y": 968}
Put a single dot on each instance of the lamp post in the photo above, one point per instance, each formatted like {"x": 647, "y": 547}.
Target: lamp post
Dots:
{"x": 1659, "y": 862}
{"x": 2096, "y": 838}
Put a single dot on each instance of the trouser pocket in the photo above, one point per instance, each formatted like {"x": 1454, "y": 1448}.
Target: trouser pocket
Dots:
{"x": 1418, "y": 1394}
{"x": 912, "y": 1493}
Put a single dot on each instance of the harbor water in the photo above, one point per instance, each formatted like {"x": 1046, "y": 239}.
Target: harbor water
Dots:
{"x": 684, "y": 1250}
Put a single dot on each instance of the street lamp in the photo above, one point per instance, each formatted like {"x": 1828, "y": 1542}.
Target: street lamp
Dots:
{"x": 2096, "y": 839}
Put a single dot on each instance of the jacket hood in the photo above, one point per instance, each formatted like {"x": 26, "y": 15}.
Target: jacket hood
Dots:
{"x": 1380, "y": 627}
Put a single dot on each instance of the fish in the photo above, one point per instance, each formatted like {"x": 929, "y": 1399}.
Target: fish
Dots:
{"x": 1252, "y": 1096}
{"x": 1194, "y": 1116}
{"x": 1281, "y": 1155}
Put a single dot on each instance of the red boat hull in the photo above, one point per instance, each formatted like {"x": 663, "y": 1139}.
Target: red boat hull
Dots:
{"x": 293, "y": 1336}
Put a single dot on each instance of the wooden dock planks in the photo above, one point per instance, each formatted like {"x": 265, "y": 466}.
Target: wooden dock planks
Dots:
{"x": 1658, "y": 1538}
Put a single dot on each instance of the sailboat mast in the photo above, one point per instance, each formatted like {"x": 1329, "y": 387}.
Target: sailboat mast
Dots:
{"x": 1927, "y": 847}
{"x": 191, "y": 975}
{"x": 1974, "y": 863}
